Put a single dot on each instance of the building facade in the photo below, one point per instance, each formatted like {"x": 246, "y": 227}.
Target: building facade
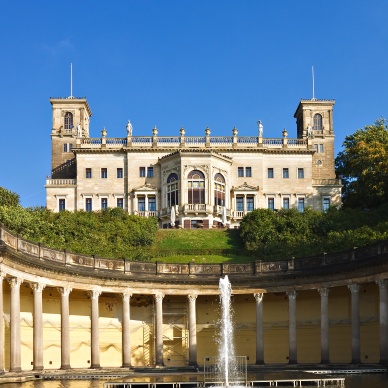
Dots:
{"x": 192, "y": 181}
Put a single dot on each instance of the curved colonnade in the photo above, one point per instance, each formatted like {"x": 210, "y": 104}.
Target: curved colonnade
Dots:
{"x": 83, "y": 311}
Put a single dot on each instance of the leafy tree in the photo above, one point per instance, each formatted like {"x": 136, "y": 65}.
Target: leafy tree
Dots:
{"x": 8, "y": 198}
{"x": 363, "y": 165}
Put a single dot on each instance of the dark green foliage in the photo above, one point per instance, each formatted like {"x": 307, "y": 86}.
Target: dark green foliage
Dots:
{"x": 263, "y": 234}
{"x": 289, "y": 233}
{"x": 109, "y": 233}
{"x": 8, "y": 198}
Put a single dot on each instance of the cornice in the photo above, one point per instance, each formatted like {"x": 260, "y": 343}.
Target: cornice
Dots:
{"x": 217, "y": 151}
{"x": 368, "y": 269}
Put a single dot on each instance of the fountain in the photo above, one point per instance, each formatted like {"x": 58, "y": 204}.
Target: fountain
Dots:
{"x": 226, "y": 357}
{"x": 226, "y": 368}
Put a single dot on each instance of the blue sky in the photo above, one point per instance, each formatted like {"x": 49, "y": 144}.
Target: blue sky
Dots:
{"x": 183, "y": 63}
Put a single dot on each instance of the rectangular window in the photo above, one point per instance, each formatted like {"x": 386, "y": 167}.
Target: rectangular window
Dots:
{"x": 316, "y": 147}
{"x": 240, "y": 204}
{"x": 65, "y": 147}
{"x": 286, "y": 203}
{"x": 270, "y": 173}
{"x": 250, "y": 203}
{"x": 301, "y": 204}
{"x": 271, "y": 203}
{"x": 286, "y": 173}
{"x": 321, "y": 148}
{"x": 325, "y": 203}
{"x": 141, "y": 204}
{"x": 88, "y": 204}
{"x": 104, "y": 203}
{"x": 70, "y": 147}
{"x": 152, "y": 204}
{"x": 88, "y": 173}
{"x": 119, "y": 173}
{"x": 120, "y": 202}
{"x": 104, "y": 173}
{"x": 150, "y": 172}
{"x": 300, "y": 173}
{"x": 240, "y": 171}
{"x": 248, "y": 171}
{"x": 62, "y": 204}
{"x": 142, "y": 172}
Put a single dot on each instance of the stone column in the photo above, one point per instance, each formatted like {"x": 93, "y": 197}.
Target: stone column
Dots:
{"x": 383, "y": 284}
{"x": 38, "y": 326}
{"x": 15, "y": 350}
{"x": 94, "y": 330}
{"x": 292, "y": 327}
{"x": 159, "y": 329}
{"x": 259, "y": 329}
{"x": 192, "y": 330}
{"x": 126, "y": 330}
{"x": 65, "y": 327}
{"x": 354, "y": 289}
{"x": 135, "y": 205}
{"x": 2, "y": 276}
{"x": 324, "y": 292}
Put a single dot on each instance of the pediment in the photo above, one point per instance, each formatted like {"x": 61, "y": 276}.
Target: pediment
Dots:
{"x": 146, "y": 187}
{"x": 245, "y": 187}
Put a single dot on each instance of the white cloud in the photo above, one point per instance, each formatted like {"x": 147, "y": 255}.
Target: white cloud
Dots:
{"x": 60, "y": 47}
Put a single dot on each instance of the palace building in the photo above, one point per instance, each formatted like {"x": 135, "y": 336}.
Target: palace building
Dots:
{"x": 192, "y": 181}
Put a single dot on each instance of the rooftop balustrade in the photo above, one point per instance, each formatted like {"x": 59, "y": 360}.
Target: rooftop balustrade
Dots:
{"x": 190, "y": 142}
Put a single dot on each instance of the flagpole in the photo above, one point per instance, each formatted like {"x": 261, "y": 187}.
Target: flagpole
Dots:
{"x": 71, "y": 80}
{"x": 312, "y": 71}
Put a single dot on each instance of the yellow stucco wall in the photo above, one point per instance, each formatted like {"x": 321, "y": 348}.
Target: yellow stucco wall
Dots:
{"x": 175, "y": 309}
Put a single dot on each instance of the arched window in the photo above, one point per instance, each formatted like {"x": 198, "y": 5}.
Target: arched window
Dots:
{"x": 196, "y": 187}
{"x": 68, "y": 120}
{"x": 219, "y": 190}
{"x": 317, "y": 122}
{"x": 172, "y": 190}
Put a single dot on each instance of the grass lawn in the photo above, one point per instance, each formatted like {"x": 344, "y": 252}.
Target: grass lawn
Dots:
{"x": 195, "y": 245}
{"x": 204, "y": 259}
{"x": 198, "y": 239}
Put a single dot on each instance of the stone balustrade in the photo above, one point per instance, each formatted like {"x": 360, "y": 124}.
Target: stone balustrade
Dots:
{"x": 128, "y": 268}
{"x": 190, "y": 141}
{"x": 61, "y": 182}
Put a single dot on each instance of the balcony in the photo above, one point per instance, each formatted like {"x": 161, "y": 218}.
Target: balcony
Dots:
{"x": 146, "y": 213}
{"x": 239, "y": 214}
{"x": 327, "y": 182}
{"x": 60, "y": 182}
{"x": 198, "y": 208}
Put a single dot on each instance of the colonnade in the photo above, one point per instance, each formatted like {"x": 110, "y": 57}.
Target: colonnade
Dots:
{"x": 355, "y": 324}
{"x": 15, "y": 340}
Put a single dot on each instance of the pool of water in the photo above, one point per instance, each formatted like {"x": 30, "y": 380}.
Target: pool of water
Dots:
{"x": 375, "y": 380}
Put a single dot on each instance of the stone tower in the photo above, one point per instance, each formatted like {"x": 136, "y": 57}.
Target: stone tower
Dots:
{"x": 71, "y": 117}
{"x": 314, "y": 120}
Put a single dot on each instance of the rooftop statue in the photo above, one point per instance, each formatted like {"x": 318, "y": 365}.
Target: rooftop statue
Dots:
{"x": 261, "y": 127}
{"x": 129, "y": 128}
